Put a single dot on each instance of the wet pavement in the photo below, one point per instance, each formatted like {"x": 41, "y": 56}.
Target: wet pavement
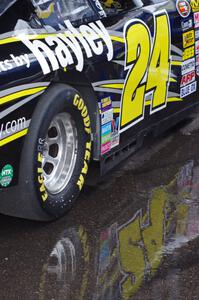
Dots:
{"x": 133, "y": 236}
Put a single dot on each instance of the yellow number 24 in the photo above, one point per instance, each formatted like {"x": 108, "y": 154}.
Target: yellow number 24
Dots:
{"x": 148, "y": 65}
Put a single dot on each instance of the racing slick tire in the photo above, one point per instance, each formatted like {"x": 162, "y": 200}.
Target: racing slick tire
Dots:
{"x": 57, "y": 151}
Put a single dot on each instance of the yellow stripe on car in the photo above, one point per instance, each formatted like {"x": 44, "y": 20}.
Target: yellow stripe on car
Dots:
{"x": 148, "y": 102}
{"x": 21, "y": 94}
{"x": 176, "y": 63}
{"x": 174, "y": 99}
{"x": 113, "y": 86}
{"x": 118, "y": 39}
{"x": 13, "y": 137}
{"x": 172, "y": 80}
{"x": 29, "y": 36}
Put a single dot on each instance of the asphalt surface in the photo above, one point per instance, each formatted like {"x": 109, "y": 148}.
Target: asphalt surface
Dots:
{"x": 133, "y": 236}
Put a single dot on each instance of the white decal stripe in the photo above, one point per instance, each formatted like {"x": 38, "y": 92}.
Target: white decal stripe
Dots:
{"x": 23, "y": 87}
{"x": 29, "y": 32}
{"x": 17, "y": 105}
{"x": 119, "y": 62}
{"x": 177, "y": 58}
{"x": 99, "y": 83}
{"x": 172, "y": 94}
{"x": 107, "y": 90}
{"x": 176, "y": 50}
{"x": 115, "y": 33}
{"x": 116, "y": 104}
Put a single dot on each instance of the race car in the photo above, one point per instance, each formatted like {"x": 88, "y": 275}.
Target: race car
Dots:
{"x": 83, "y": 81}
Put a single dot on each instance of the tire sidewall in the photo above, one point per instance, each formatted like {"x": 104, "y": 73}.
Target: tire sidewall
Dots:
{"x": 59, "y": 98}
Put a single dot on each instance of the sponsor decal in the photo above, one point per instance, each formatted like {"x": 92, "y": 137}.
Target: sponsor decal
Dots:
{"x": 197, "y": 34}
{"x": 106, "y": 104}
{"x": 183, "y": 8}
{"x": 194, "y": 5}
{"x": 115, "y": 137}
{"x": 188, "y": 89}
{"x": 14, "y": 62}
{"x": 105, "y": 148}
{"x": 188, "y": 38}
{"x": 12, "y": 127}
{"x": 110, "y": 136}
{"x": 186, "y": 25}
{"x": 197, "y": 60}
{"x": 196, "y": 47}
{"x": 107, "y": 116}
{"x": 196, "y": 19}
{"x": 188, "y": 66}
{"x": 188, "y": 53}
{"x": 106, "y": 137}
{"x": 197, "y": 70}
{"x": 106, "y": 129}
{"x": 188, "y": 78}
{"x": 71, "y": 47}
{"x": 6, "y": 176}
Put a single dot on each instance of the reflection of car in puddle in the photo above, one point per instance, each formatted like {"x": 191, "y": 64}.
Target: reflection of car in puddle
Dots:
{"x": 64, "y": 255}
{"x": 126, "y": 256}
{"x": 62, "y": 268}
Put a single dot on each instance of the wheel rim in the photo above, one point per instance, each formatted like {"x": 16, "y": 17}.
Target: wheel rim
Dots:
{"x": 59, "y": 153}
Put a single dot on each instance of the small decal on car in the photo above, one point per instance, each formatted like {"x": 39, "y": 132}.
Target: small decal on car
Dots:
{"x": 188, "y": 66}
{"x": 6, "y": 175}
{"x": 188, "y": 89}
{"x": 183, "y": 8}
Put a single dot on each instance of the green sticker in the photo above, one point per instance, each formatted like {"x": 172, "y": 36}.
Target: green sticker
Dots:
{"x": 6, "y": 175}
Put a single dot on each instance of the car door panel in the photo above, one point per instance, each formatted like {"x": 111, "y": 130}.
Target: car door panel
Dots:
{"x": 162, "y": 26}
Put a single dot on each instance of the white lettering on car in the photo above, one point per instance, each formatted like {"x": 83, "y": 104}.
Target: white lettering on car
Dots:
{"x": 14, "y": 62}
{"x": 70, "y": 47}
{"x": 12, "y": 127}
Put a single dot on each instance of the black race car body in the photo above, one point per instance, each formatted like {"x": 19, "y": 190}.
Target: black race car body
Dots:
{"x": 130, "y": 68}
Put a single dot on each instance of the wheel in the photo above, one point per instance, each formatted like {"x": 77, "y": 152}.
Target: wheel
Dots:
{"x": 57, "y": 150}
